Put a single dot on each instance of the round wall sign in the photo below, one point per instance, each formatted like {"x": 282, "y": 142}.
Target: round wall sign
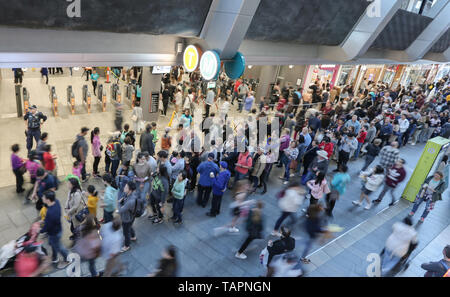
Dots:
{"x": 191, "y": 56}
{"x": 235, "y": 68}
{"x": 210, "y": 65}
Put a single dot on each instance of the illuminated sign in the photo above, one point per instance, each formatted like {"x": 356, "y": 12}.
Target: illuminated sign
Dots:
{"x": 191, "y": 57}
{"x": 209, "y": 65}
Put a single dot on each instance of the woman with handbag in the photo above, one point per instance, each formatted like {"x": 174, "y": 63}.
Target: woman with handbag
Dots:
{"x": 74, "y": 206}
{"x": 89, "y": 245}
{"x": 430, "y": 192}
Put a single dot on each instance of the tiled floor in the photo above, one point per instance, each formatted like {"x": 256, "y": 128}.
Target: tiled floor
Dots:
{"x": 201, "y": 253}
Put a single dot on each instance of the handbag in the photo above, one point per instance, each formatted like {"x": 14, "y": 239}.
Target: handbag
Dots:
{"x": 134, "y": 118}
{"x": 82, "y": 214}
{"x": 22, "y": 170}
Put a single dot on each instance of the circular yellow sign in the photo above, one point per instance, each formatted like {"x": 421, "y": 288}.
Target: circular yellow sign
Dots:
{"x": 190, "y": 58}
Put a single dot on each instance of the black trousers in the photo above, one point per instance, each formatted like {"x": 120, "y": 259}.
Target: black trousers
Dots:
{"x": 203, "y": 195}
{"x": 343, "y": 158}
{"x": 94, "y": 85}
{"x": 330, "y": 205}
{"x": 19, "y": 180}
{"x": 215, "y": 204}
{"x": 46, "y": 76}
{"x": 95, "y": 167}
{"x": 154, "y": 202}
{"x": 245, "y": 244}
{"x": 207, "y": 108}
{"x": 165, "y": 106}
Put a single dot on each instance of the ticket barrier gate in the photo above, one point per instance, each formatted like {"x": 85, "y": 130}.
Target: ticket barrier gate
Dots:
{"x": 130, "y": 93}
{"x": 54, "y": 101}
{"x": 26, "y": 100}
{"x": 71, "y": 99}
{"x": 115, "y": 93}
{"x": 87, "y": 98}
{"x": 102, "y": 97}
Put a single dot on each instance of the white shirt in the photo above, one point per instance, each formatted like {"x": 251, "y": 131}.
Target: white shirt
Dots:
{"x": 225, "y": 108}
{"x": 178, "y": 98}
{"x": 404, "y": 125}
{"x": 188, "y": 101}
{"x": 111, "y": 240}
{"x": 402, "y": 235}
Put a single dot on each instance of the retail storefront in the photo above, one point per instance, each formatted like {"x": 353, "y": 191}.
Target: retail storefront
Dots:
{"x": 443, "y": 70}
{"x": 347, "y": 75}
{"x": 416, "y": 74}
{"x": 325, "y": 74}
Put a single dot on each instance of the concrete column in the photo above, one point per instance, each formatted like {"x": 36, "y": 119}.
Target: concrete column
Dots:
{"x": 268, "y": 76}
{"x": 150, "y": 83}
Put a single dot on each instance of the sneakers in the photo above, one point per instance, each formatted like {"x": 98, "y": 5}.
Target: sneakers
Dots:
{"x": 210, "y": 214}
{"x": 393, "y": 203}
{"x": 411, "y": 214}
{"x": 421, "y": 220}
{"x": 241, "y": 256}
{"x": 55, "y": 261}
{"x": 368, "y": 206}
{"x": 233, "y": 230}
{"x": 124, "y": 249}
{"x": 145, "y": 213}
{"x": 285, "y": 182}
{"x": 133, "y": 238}
{"x": 157, "y": 221}
{"x": 179, "y": 222}
{"x": 357, "y": 203}
{"x": 152, "y": 217}
{"x": 377, "y": 201}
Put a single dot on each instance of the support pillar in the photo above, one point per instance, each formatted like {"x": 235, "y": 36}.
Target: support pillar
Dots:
{"x": 268, "y": 76}
{"x": 151, "y": 83}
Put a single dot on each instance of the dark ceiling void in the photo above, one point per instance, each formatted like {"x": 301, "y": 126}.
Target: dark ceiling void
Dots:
{"x": 401, "y": 31}
{"x": 324, "y": 22}
{"x": 157, "y": 17}
{"x": 442, "y": 44}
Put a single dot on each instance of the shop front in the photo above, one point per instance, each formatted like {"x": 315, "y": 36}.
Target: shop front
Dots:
{"x": 325, "y": 74}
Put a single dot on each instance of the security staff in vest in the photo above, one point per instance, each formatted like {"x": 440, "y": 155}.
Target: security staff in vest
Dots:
{"x": 33, "y": 121}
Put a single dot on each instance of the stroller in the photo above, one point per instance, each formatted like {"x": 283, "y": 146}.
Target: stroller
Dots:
{"x": 13, "y": 248}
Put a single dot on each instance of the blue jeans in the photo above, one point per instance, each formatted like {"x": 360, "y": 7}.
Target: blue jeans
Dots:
{"x": 286, "y": 162}
{"x": 309, "y": 176}
{"x": 427, "y": 206}
{"x": 358, "y": 149}
{"x": 238, "y": 176}
{"x": 55, "y": 243}
{"x": 142, "y": 192}
{"x": 92, "y": 269}
{"x": 177, "y": 209}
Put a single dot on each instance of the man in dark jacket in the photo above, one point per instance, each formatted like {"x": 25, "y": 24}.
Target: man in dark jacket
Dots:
{"x": 439, "y": 268}
{"x": 394, "y": 176}
{"x": 146, "y": 141}
{"x": 53, "y": 228}
{"x": 281, "y": 246}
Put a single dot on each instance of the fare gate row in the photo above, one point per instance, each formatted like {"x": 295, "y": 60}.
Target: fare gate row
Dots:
{"x": 88, "y": 100}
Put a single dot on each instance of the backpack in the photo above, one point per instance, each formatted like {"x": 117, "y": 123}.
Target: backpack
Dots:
{"x": 434, "y": 274}
{"x": 157, "y": 184}
{"x": 111, "y": 149}
{"x": 139, "y": 208}
{"x": 75, "y": 149}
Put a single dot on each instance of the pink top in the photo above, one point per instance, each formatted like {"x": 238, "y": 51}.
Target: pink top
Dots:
{"x": 285, "y": 140}
{"x": 317, "y": 191}
{"x": 77, "y": 170}
{"x": 32, "y": 167}
{"x": 246, "y": 160}
{"x": 96, "y": 146}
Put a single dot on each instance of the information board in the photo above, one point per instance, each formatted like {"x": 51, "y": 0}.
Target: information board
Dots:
{"x": 154, "y": 102}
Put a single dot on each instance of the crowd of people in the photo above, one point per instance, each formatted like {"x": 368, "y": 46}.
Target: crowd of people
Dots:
{"x": 306, "y": 130}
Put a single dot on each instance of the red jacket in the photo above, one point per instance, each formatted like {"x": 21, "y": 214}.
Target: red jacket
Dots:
{"x": 281, "y": 104}
{"x": 328, "y": 147}
{"x": 362, "y": 137}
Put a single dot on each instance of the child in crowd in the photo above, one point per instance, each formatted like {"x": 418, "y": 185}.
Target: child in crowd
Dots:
{"x": 76, "y": 169}
{"x": 372, "y": 178}
{"x": 154, "y": 132}
{"x": 92, "y": 200}
{"x": 49, "y": 160}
